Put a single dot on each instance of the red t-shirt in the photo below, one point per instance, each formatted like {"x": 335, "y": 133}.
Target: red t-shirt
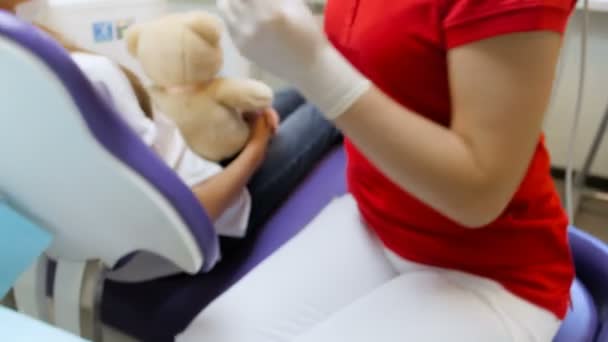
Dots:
{"x": 402, "y": 47}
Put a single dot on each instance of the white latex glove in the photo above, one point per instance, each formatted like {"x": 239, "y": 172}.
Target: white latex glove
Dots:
{"x": 283, "y": 37}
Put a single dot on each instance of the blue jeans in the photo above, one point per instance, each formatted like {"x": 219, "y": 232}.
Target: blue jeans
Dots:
{"x": 303, "y": 138}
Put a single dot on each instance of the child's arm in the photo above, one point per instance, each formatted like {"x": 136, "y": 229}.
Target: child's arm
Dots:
{"x": 218, "y": 192}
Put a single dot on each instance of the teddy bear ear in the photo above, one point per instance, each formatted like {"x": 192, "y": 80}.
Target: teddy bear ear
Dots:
{"x": 206, "y": 26}
{"x": 132, "y": 39}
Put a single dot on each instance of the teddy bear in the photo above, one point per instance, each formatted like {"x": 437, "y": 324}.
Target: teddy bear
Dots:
{"x": 181, "y": 55}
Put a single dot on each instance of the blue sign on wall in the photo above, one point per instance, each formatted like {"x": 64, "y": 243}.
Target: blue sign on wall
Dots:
{"x": 103, "y": 31}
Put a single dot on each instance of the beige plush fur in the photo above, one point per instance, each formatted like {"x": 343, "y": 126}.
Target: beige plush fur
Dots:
{"x": 181, "y": 54}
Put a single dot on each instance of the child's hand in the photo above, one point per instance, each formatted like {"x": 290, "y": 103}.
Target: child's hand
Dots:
{"x": 273, "y": 119}
{"x": 262, "y": 130}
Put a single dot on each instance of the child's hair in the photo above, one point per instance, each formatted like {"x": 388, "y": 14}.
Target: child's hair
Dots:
{"x": 140, "y": 92}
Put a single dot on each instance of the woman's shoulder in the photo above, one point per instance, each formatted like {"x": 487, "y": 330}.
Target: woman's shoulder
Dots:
{"x": 466, "y": 21}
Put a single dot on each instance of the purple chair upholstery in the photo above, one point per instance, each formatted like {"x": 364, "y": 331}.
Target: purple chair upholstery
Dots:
{"x": 591, "y": 260}
{"x": 603, "y": 334}
{"x": 581, "y": 324}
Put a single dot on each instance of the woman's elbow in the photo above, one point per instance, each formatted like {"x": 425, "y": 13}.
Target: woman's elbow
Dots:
{"x": 477, "y": 220}
{"x": 479, "y": 212}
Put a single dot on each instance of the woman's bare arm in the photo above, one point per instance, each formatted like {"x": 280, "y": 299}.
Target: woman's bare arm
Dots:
{"x": 469, "y": 171}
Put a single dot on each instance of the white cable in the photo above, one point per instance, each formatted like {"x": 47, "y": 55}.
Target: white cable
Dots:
{"x": 561, "y": 66}
{"x": 570, "y": 205}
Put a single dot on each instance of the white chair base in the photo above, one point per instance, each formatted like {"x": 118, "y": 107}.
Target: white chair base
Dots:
{"x": 78, "y": 289}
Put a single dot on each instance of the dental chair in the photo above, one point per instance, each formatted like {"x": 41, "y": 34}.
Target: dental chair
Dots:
{"x": 84, "y": 176}
{"x": 74, "y": 168}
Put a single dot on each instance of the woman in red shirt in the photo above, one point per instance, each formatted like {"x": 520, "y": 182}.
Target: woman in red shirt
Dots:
{"x": 452, "y": 230}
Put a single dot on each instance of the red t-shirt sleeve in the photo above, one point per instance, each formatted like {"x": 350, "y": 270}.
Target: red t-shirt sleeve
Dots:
{"x": 470, "y": 20}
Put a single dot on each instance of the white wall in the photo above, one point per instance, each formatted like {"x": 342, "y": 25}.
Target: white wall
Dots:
{"x": 559, "y": 117}
{"x": 75, "y": 19}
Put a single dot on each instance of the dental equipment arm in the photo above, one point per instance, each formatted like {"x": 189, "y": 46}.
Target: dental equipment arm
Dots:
{"x": 468, "y": 171}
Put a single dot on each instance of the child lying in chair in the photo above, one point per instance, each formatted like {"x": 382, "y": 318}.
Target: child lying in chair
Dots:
{"x": 241, "y": 196}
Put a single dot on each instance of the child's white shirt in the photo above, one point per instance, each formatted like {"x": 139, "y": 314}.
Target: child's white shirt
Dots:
{"x": 164, "y": 138}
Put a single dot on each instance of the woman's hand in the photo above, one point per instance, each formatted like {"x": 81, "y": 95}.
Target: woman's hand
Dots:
{"x": 275, "y": 34}
{"x": 283, "y": 37}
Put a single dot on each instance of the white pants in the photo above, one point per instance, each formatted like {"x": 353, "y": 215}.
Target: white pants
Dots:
{"x": 335, "y": 282}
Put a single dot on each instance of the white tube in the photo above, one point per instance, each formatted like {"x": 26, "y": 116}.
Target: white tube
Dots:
{"x": 571, "y": 202}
